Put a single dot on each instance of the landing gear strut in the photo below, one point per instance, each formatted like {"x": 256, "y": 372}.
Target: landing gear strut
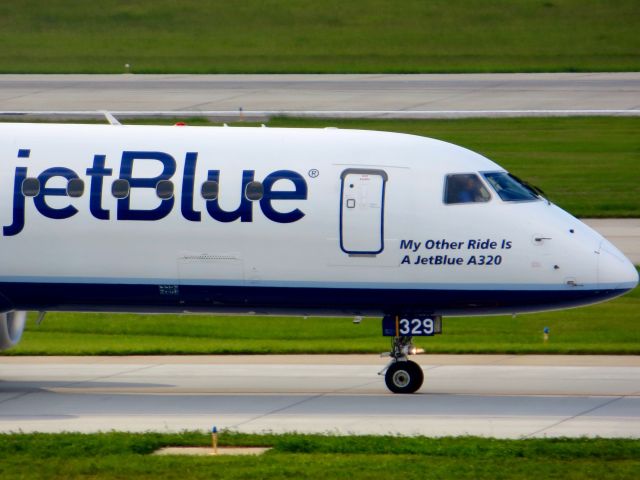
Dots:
{"x": 401, "y": 374}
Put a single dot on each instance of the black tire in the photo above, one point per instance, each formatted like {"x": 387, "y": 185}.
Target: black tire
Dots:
{"x": 404, "y": 377}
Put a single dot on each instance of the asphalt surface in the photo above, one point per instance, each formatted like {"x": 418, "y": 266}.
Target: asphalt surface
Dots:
{"x": 496, "y": 395}
{"x": 434, "y": 95}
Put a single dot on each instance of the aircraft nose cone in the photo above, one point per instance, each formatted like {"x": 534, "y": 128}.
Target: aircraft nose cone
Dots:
{"x": 614, "y": 269}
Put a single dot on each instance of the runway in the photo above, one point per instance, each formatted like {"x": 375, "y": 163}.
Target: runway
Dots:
{"x": 489, "y": 395}
{"x": 421, "y": 96}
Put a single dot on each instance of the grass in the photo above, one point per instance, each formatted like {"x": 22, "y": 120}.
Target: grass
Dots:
{"x": 590, "y": 166}
{"x": 608, "y": 328}
{"x": 123, "y": 455}
{"x": 304, "y": 36}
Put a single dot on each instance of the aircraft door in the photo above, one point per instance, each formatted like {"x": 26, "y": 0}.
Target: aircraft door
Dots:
{"x": 362, "y": 211}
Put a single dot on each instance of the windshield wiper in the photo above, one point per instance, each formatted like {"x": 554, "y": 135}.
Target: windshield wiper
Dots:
{"x": 532, "y": 188}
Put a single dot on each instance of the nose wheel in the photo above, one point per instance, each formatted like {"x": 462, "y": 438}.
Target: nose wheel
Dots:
{"x": 402, "y": 375}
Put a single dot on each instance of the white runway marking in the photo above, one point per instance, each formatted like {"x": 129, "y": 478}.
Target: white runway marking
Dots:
{"x": 501, "y": 396}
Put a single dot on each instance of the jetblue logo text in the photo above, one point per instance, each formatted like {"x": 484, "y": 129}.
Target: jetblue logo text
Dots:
{"x": 97, "y": 176}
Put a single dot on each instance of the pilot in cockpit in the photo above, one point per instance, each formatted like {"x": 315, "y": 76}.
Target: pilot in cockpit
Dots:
{"x": 465, "y": 188}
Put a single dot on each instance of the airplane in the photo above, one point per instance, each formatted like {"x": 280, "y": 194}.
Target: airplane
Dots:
{"x": 121, "y": 218}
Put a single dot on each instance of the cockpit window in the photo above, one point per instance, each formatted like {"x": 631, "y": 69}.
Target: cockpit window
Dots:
{"x": 465, "y": 188}
{"x": 511, "y": 188}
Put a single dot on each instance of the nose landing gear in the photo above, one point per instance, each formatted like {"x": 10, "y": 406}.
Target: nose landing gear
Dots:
{"x": 402, "y": 375}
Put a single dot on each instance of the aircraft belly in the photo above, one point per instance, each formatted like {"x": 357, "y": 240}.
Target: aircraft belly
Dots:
{"x": 292, "y": 300}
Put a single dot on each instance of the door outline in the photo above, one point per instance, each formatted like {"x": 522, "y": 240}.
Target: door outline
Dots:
{"x": 368, "y": 171}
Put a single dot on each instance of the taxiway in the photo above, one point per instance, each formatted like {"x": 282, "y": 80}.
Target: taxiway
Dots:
{"x": 488, "y": 395}
{"x": 380, "y": 95}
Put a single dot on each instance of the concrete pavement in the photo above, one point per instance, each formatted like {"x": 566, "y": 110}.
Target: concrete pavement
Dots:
{"x": 421, "y": 96}
{"x": 495, "y": 395}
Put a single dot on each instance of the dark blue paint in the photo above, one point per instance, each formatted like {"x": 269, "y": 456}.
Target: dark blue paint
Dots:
{"x": 154, "y": 298}
{"x": 300, "y": 193}
{"x": 125, "y": 212}
{"x": 244, "y": 212}
{"x": 188, "y": 179}
{"x": 40, "y": 200}
{"x": 18, "y": 204}
{"x": 97, "y": 174}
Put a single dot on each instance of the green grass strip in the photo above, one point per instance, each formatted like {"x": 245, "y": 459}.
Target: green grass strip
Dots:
{"x": 123, "y": 455}
{"x": 307, "y": 36}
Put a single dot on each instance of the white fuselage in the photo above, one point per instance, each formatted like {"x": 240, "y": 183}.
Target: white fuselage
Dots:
{"x": 347, "y": 222}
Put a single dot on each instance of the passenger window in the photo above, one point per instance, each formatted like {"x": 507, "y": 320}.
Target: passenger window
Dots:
{"x": 209, "y": 190}
{"x": 510, "y": 188}
{"x": 75, "y": 188}
{"x": 30, "y": 187}
{"x": 164, "y": 189}
{"x": 254, "y": 191}
{"x": 120, "y": 188}
{"x": 465, "y": 188}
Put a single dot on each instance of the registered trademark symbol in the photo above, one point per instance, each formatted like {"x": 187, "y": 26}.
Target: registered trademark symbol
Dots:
{"x": 313, "y": 173}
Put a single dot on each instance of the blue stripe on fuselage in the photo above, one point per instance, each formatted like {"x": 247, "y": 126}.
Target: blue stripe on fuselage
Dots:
{"x": 310, "y": 284}
{"x": 158, "y": 298}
